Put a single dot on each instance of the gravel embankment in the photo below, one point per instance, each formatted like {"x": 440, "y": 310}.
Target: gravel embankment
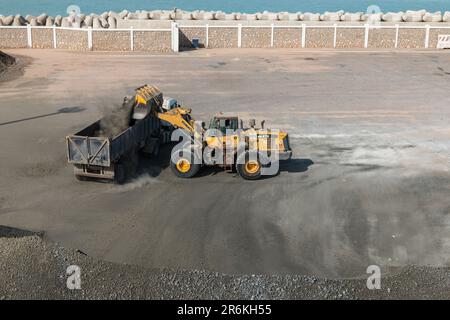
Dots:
{"x": 31, "y": 267}
{"x": 5, "y": 61}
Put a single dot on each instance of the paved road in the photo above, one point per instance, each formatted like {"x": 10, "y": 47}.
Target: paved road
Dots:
{"x": 369, "y": 183}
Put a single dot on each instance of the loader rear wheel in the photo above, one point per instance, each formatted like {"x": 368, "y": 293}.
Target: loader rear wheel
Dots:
{"x": 185, "y": 167}
{"x": 248, "y": 166}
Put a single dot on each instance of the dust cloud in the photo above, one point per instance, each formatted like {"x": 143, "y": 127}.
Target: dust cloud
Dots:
{"x": 137, "y": 183}
{"x": 115, "y": 120}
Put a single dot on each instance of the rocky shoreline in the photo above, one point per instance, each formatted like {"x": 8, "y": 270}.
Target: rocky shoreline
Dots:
{"x": 109, "y": 20}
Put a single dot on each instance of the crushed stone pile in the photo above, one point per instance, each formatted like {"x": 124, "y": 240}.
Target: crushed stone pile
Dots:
{"x": 33, "y": 267}
{"x": 6, "y": 61}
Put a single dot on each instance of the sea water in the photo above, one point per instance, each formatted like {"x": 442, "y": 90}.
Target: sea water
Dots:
{"x": 55, "y": 7}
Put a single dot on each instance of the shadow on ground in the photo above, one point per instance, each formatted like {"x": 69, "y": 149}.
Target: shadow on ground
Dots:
{"x": 59, "y": 111}
{"x": 290, "y": 166}
{"x": 155, "y": 165}
{"x": 295, "y": 165}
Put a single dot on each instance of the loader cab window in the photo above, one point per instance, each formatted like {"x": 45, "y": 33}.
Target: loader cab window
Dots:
{"x": 223, "y": 124}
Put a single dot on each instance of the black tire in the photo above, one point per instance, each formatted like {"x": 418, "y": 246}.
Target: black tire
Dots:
{"x": 248, "y": 160}
{"x": 187, "y": 161}
{"x": 119, "y": 174}
{"x": 156, "y": 151}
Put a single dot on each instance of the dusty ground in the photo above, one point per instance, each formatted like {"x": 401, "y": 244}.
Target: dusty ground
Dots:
{"x": 369, "y": 183}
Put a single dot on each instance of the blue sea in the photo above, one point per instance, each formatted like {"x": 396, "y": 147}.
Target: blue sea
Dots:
{"x": 54, "y": 7}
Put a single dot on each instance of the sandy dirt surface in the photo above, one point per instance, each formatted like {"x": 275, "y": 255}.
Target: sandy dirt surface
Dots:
{"x": 369, "y": 182}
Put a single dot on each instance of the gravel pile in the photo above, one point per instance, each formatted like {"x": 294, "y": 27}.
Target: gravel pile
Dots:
{"x": 6, "y": 61}
{"x": 31, "y": 267}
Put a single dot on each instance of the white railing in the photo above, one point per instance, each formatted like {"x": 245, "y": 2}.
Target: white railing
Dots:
{"x": 335, "y": 27}
{"x": 90, "y": 45}
{"x": 443, "y": 41}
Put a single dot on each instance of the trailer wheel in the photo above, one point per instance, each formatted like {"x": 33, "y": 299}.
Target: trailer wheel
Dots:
{"x": 185, "y": 167}
{"x": 119, "y": 173}
{"x": 248, "y": 166}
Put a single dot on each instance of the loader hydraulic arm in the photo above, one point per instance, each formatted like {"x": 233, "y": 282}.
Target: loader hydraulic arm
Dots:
{"x": 179, "y": 118}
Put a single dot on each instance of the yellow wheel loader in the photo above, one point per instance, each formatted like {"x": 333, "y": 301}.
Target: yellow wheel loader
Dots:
{"x": 226, "y": 143}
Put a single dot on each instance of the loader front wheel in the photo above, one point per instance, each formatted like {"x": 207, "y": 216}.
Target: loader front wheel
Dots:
{"x": 248, "y": 166}
{"x": 185, "y": 167}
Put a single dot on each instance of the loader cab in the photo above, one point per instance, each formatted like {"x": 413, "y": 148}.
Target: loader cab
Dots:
{"x": 222, "y": 123}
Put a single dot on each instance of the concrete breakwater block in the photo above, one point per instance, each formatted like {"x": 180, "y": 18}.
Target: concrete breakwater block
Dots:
{"x": 96, "y": 23}
{"x": 114, "y": 15}
{"x": 87, "y": 22}
{"x": 144, "y": 15}
{"x": 123, "y": 14}
{"x": 110, "y": 19}
{"x": 223, "y": 16}
{"x": 197, "y": 15}
{"x": 267, "y": 16}
{"x": 65, "y": 23}
{"x": 103, "y": 22}
{"x": 283, "y": 16}
{"x": 50, "y": 21}
{"x": 41, "y": 19}
{"x": 186, "y": 16}
{"x": 308, "y": 16}
{"x": 371, "y": 17}
{"x": 132, "y": 16}
{"x": 160, "y": 15}
{"x": 8, "y": 20}
{"x": 432, "y": 17}
{"x": 155, "y": 15}
{"x": 446, "y": 16}
{"x": 165, "y": 16}
{"x": 19, "y": 21}
{"x": 348, "y": 16}
{"x": 219, "y": 15}
{"x": 286, "y": 16}
{"x": 414, "y": 16}
{"x": 76, "y": 24}
{"x": 393, "y": 17}
{"x": 176, "y": 15}
{"x": 58, "y": 21}
{"x": 247, "y": 17}
{"x": 112, "y": 23}
{"x": 295, "y": 16}
{"x": 331, "y": 16}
